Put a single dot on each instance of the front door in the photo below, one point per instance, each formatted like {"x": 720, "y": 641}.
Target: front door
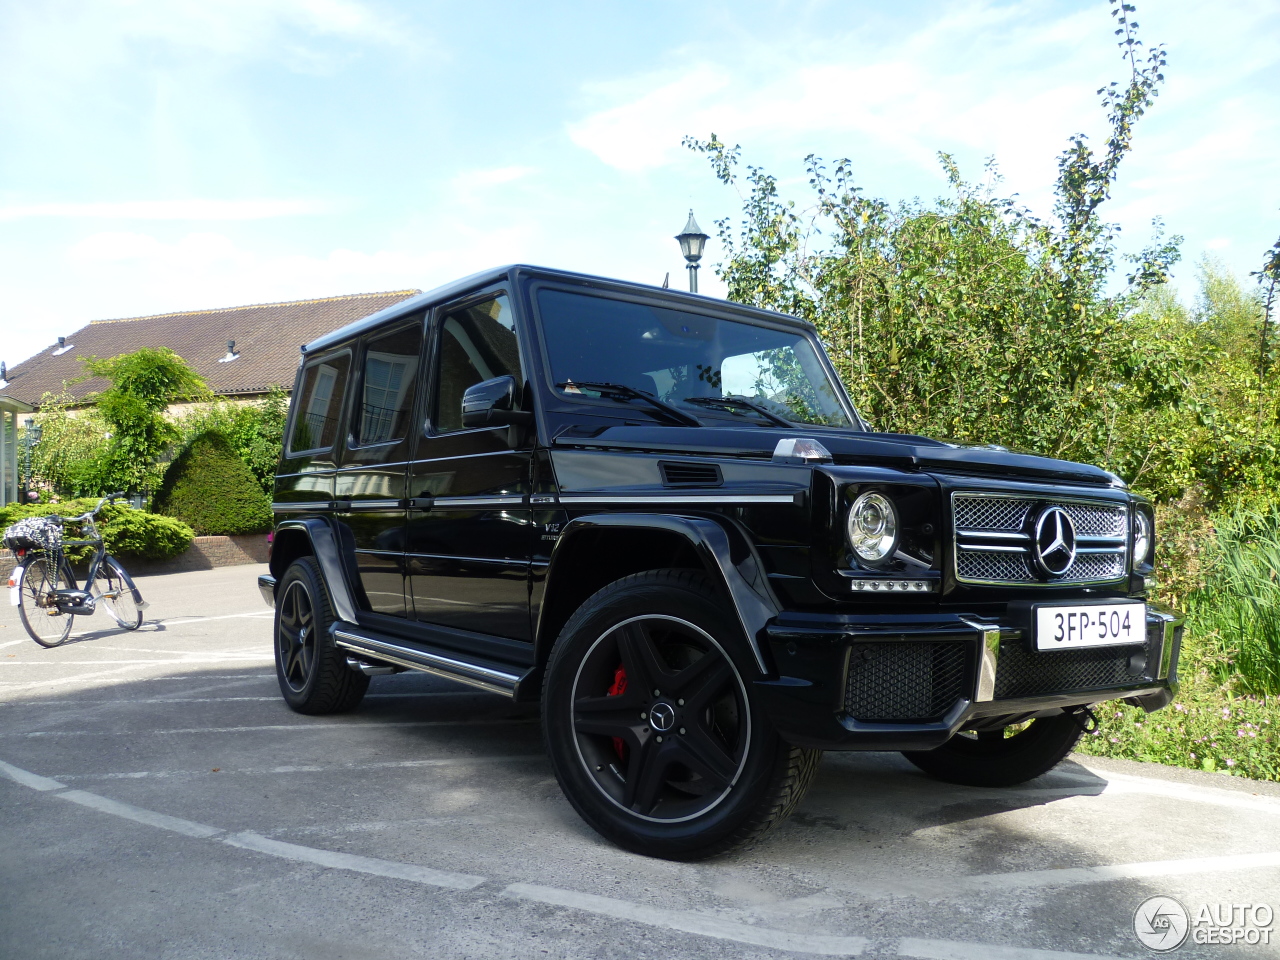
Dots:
{"x": 369, "y": 488}
{"x": 470, "y": 532}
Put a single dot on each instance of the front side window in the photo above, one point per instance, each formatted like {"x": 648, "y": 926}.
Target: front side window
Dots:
{"x": 692, "y": 361}
{"x": 386, "y": 400}
{"x": 319, "y": 405}
{"x": 477, "y": 343}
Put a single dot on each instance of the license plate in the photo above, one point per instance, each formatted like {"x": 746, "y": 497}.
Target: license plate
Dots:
{"x": 1071, "y": 626}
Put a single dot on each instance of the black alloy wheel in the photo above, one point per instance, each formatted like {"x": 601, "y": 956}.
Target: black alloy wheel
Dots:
{"x": 660, "y": 716}
{"x": 312, "y": 672}
{"x": 1001, "y": 757}
{"x": 652, "y": 727}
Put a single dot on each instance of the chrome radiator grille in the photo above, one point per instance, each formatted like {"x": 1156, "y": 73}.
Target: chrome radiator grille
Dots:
{"x": 994, "y": 540}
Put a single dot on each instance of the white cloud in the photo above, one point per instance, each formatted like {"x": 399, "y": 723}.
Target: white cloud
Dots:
{"x": 169, "y": 210}
{"x": 479, "y": 179}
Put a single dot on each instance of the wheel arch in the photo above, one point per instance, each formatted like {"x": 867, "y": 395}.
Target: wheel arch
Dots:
{"x": 633, "y": 543}
{"x": 315, "y": 537}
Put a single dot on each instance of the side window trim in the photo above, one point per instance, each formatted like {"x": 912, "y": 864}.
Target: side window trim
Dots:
{"x": 296, "y": 409}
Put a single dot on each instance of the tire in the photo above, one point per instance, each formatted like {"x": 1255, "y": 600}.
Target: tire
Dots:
{"x": 653, "y": 728}
{"x": 122, "y": 598}
{"x": 1001, "y": 758}
{"x": 312, "y": 672}
{"x": 45, "y": 624}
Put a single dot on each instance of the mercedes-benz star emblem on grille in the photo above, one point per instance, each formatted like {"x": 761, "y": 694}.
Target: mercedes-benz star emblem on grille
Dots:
{"x": 662, "y": 716}
{"x": 1055, "y": 542}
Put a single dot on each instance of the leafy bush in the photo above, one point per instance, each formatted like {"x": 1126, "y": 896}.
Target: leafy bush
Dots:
{"x": 211, "y": 488}
{"x": 72, "y": 448}
{"x": 125, "y": 531}
{"x": 254, "y": 430}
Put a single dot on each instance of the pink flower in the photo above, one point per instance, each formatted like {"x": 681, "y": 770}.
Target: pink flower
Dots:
{"x": 1231, "y": 763}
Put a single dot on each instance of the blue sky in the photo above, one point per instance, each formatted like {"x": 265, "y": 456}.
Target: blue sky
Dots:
{"x": 161, "y": 155}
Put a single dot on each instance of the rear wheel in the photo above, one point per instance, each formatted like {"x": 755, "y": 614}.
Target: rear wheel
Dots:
{"x": 37, "y": 601}
{"x": 1003, "y": 757}
{"x": 312, "y": 672}
{"x": 652, "y": 727}
{"x": 121, "y": 598}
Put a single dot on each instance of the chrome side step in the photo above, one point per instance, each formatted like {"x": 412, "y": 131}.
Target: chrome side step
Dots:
{"x": 492, "y": 679}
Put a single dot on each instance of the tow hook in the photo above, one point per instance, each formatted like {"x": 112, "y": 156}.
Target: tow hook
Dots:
{"x": 1085, "y": 719}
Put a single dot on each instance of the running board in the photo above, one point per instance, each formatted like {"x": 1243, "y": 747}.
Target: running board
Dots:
{"x": 492, "y": 679}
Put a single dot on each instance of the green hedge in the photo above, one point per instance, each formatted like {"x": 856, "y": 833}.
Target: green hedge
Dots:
{"x": 210, "y": 487}
{"x": 127, "y": 533}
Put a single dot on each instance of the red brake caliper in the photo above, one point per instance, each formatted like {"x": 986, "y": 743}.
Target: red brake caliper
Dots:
{"x": 618, "y": 689}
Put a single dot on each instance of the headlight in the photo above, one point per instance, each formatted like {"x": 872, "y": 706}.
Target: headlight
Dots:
{"x": 1141, "y": 537}
{"x": 873, "y": 527}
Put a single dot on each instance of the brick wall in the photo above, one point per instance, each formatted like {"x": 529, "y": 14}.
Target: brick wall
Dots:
{"x": 205, "y": 553}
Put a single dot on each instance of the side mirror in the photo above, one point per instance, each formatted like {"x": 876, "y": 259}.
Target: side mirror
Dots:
{"x": 491, "y": 403}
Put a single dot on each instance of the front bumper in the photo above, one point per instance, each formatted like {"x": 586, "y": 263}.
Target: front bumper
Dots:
{"x": 911, "y": 682}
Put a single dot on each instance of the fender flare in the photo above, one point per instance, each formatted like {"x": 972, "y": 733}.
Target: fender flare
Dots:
{"x": 726, "y": 552}
{"x": 324, "y": 547}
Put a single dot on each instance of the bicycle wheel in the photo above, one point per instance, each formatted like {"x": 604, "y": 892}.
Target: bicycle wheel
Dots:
{"x": 121, "y": 598}
{"x": 47, "y": 625}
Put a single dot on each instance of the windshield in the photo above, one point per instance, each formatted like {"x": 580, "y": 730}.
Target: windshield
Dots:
{"x": 676, "y": 356}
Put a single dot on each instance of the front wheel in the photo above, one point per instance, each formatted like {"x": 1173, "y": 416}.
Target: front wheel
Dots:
{"x": 37, "y": 601}
{"x": 1003, "y": 757}
{"x": 652, "y": 726}
{"x": 313, "y": 673}
{"x": 122, "y": 599}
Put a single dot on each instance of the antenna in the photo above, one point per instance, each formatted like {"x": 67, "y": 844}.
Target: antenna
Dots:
{"x": 666, "y": 281}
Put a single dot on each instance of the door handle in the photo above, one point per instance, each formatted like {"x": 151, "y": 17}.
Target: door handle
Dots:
{"x": 342, "y": 506}
{"x": 420, "y": 503}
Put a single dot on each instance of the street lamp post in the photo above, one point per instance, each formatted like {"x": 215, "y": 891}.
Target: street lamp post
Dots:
{"x": 692, "y": 240}
{"x": 32, "y": 437}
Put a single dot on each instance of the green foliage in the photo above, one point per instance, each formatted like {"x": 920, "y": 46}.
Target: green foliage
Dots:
{"x": 72, "y": 448}
{"x": 143, "y": 384}
{"x": 211, "y": 488}
{"x": 254, "y": 430}
{"x": 126, "y": 532}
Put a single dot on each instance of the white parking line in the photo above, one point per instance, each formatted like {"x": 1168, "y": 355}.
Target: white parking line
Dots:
{"x": 185, "y": 658}
{"x": 289, "y": 727}
{"x": 1122, "y": 783}
{"x": 12, "y": 643}
{"x": 955, "y": 950}
{"x": 304, "y": 768}
{"x": 29, "y": 779}
{"x": 128, "y": 811}
{"x": 689, "y": 922}
{"x": 347, "y": 861}
{"x": 227, "y": 616}
{"x": 1072, "y": 876}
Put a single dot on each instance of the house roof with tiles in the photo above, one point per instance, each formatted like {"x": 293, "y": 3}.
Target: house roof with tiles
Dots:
{"x": 267, "y": 340}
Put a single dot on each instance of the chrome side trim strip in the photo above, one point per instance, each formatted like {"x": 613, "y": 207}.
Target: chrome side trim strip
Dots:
{"x": 494, "y": 681}
{"x": 301, "y": 506}
{"x": 509, "y": 501}
{"x": 357, "y": 505}
{"x": 792, "y": 498}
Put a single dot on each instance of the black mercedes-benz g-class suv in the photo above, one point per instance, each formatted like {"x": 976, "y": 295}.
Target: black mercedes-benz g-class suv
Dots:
{"x": 660, "y": 515}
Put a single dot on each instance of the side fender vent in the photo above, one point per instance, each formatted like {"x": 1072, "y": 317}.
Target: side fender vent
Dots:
{"x": 680, "y": 474}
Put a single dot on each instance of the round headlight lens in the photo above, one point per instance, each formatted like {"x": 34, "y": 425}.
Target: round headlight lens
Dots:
{"x": 873, "y": 527}
{"x": 1141, "y": 537}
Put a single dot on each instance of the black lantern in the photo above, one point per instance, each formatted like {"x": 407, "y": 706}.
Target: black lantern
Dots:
{"x": 692, "y": 240}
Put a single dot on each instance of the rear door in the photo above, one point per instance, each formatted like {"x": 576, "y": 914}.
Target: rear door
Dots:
{"x": 369, "y": 487}
{"x": 470, "y": 533}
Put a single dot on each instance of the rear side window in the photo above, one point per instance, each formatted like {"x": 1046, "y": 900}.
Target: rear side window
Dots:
{"x": 477, "y": 343}
{"x": 319, "y": 406}
{"x": 386, "y": 397}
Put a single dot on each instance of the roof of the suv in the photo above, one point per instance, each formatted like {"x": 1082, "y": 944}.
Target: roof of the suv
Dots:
{"x": 496, "y": 274}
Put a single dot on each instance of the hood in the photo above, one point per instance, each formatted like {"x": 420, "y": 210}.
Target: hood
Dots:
{"x": 898, "y": 450}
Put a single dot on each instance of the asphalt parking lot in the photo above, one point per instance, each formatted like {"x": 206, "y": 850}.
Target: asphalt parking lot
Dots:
{"x": 157, "y": 799}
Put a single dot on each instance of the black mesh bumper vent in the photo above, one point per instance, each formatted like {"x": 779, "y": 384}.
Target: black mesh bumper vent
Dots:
{"x": 1022, "y": 673}
{"x": 904, "y": 681}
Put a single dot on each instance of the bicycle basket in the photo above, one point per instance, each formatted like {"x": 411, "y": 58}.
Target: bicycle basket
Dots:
{"x": 34, "y": 533}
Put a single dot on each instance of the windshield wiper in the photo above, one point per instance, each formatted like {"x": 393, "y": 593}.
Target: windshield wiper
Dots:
{"x": 624, "y": 393}
{"x": 730, "y": 403}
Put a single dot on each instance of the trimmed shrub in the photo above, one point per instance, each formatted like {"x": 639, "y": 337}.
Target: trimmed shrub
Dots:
{"x": 125, "y": 531}
{"x": 210, "y": 487}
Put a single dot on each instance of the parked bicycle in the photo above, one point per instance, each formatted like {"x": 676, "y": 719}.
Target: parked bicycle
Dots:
{"x": 43, "y": 586}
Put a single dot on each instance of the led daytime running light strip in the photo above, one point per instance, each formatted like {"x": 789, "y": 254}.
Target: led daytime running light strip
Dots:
{"x": 892, "y": 586}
